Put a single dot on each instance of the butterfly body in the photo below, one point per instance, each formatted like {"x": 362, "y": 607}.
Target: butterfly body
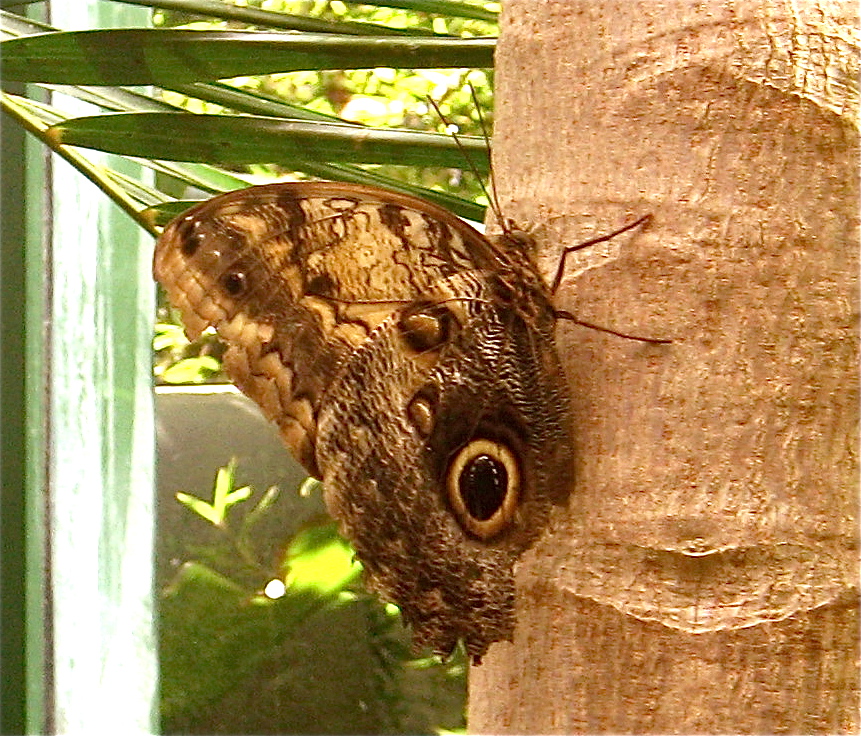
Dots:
{"x": 410, "y": 363}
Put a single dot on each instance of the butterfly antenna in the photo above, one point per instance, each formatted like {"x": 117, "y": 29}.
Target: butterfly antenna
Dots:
{"x": 472, "y": 167}
{"x": 492, "y": 199}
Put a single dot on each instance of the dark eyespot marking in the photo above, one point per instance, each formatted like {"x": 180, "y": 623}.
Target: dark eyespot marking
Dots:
{"x": 483, "y": 487}
{"x": 195, "y": 233}
{"x": 483, "y": 484}
{"x": 190, "y": 245}
{"x": 189, "y": 237}
{"x": 234, "y": 282}
{"x": 321, "y": 284}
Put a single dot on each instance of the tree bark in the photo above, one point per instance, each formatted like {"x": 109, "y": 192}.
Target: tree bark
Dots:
{"x": 703, "y": 578}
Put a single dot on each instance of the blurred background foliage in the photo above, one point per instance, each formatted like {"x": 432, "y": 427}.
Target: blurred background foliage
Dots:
{"x": 264, "y": 632}
{"x": 265, "y": 628}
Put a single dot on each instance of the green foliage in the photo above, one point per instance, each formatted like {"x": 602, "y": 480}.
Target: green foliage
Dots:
{"x": 349, "y": 77}
{"x": 310, "y": 654}
{"x": 223, "y": 497}
{"x": 180, "y": 361}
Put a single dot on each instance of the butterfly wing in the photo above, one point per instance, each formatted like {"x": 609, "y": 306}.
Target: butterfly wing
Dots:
{"x": 294, "y": 276}
{"x": 409, "y": 362}
{"x": 444, "y": 463}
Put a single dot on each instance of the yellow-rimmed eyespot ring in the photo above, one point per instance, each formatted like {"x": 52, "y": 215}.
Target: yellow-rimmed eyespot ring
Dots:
{"x": 483, "y": 486}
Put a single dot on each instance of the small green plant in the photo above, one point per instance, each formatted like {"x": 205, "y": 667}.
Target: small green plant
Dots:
{"x": 290, "y": 643}
{"x": 223, "y": 496}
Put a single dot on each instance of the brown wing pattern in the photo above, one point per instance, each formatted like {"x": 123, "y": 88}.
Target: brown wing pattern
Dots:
{"x": 294, "y": 276}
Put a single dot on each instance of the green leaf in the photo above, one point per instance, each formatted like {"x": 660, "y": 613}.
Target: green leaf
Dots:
{"x": 161, "y": 214}
{"x": 223, "y": 497}
{"x": 456, "y": 8}
{"x": 163, "y": 57}
{"x": 168, "y": 336}
{"x": 195, "y": 573}
{"x": 191, "y": 370}
{"x": 243, "y": 139}
{"x": 310, "y": 486}
{"x": 266, "y": 18}
{"x": 251, "y": 102}
{"x": 319, "y": 560}
{"x": 33, "y": 118}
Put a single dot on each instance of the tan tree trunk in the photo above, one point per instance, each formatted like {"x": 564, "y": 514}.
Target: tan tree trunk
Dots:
{"x": 704, "y": 576}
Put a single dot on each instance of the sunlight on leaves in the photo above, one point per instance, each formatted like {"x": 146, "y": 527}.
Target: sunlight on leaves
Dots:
{"x": 319, "y": 560}
{"x": 191, "y": 370}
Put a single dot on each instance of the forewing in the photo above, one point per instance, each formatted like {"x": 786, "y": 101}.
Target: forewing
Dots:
{"x": 295, "y": 276}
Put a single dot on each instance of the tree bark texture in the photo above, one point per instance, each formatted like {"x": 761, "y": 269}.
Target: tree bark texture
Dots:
{"x": 703, "y": 578}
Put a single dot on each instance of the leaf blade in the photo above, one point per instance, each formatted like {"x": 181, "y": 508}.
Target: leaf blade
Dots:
{"x": 244, "y": 139}
{"x": 165, "y": 57}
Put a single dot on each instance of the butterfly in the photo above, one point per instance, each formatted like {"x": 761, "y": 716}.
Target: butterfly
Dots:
{"x": 410, "y": 363}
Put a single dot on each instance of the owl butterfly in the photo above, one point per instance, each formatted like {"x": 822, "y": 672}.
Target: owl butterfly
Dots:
{"x": 409, "y": 363}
